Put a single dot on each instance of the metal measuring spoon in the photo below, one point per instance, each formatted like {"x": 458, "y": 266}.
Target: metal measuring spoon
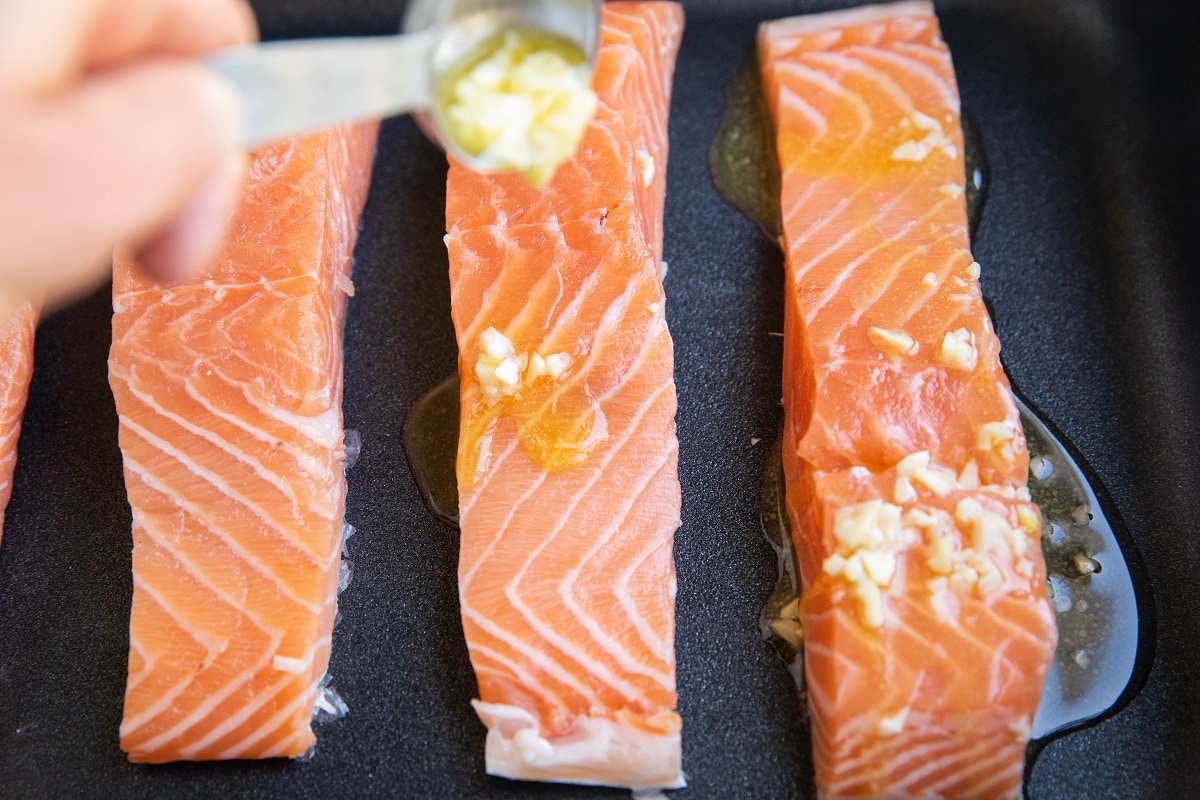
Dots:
{"x": 292, "y": 87}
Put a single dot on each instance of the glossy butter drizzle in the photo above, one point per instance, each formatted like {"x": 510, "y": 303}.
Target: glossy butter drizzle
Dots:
{"x": 1100, "y": 661}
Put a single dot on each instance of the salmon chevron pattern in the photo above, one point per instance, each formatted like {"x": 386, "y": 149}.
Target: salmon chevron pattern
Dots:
{"x": 228, "y": 392}
{"x": 927, "y": 631}
{"x": 568, "y": 485}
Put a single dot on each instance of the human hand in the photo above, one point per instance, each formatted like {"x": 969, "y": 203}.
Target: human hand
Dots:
{"x": 111, "y": 134}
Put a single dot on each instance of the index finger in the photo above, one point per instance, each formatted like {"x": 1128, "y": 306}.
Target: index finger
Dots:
{"x": 45, "y": 45}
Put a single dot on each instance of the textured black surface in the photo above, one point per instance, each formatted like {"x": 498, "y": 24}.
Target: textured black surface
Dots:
{"x": 1090, "y": 117}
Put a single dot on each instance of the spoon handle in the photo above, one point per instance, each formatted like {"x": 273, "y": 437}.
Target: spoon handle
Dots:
{"x": 292, "y": 87}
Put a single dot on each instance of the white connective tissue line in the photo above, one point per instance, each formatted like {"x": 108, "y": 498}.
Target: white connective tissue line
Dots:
{"x": 649, "y": 794}
{"x": 353, "y": 448}
{"x": 345, "y": 574}
{"x": 329, "y": 706}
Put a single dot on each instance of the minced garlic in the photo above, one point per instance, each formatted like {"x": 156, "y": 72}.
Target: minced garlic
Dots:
{"x": 998, "y": 437}
{"x": 868, "y": 535}
{"x": 958, "y": 350}
{"x": 935, "y": 138}
{"x": 895, "y": 342}
{"x": 646, "y": 161}
{"x": 498, "y": 368}
{"x": 916, "y": 467}
{"x": 502, "y": 371}
{"x": 520, "y": 101}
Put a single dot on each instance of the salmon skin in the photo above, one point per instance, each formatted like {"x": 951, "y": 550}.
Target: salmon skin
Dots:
{"x": 16, "y": 369}
{"x": 568, "y": 484}
{"x": 927, "y": 631}
{"x": 228, "y": 389}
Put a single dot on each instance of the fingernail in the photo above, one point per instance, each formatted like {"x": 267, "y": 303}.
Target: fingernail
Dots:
{"x": 191, "y": 241}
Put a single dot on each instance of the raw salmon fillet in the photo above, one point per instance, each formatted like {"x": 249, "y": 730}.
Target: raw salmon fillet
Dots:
{"x": 568, "y": 487}
{"x": 927, "y": 631}
{"x": 16, "y": 368}
{"x": 229, "y": 391}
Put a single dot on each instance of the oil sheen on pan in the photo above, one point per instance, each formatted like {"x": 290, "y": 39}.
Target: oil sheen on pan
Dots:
{"x": 1100, "y": 660}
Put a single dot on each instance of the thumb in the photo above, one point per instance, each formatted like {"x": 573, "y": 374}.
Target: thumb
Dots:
{"x": 114, "y": 160}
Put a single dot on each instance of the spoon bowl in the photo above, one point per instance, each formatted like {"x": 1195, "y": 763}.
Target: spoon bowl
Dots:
{"x": 294, "y": 87}
{"x": 464, "y": 25}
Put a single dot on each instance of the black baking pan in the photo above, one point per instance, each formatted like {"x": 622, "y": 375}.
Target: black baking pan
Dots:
{"x": 1090, "y": 116}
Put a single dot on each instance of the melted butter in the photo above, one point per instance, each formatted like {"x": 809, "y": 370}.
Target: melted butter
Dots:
{"x": 431, "y": 444}
{"x": 978, "y": 172}
{"x": 474, "y": 444}
{"x": 1099, "y": 603}
{"x": 1099, "y": 600}
{"x": 901, "y": 146}
{"x": 741, "y": 157}
{"x": 1100, "y": 660}
{"x": 559, "y": 427}
{"x": 744, "y": 166}
{"x": 776, "y": 527}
